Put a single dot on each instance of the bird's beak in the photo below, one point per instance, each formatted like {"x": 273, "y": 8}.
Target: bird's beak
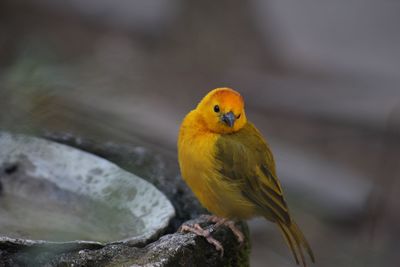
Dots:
{"x": 229, "y": 119}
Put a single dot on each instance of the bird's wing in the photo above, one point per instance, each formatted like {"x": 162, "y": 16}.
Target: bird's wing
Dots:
{"x": 245, "y": 159}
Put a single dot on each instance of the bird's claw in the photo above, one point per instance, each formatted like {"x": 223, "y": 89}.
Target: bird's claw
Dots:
{"x": 230, "y": 224}
{"x": 239, "y": 235}
{"x": 206, "y": 233}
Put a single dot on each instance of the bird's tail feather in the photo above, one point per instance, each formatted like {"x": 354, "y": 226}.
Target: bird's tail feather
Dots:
{"x": 296, "y": 242}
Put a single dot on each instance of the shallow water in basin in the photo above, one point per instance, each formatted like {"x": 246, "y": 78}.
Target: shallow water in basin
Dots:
{"x": 32, "y": 208}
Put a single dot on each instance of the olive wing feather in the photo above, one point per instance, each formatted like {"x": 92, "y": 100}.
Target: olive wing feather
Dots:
{"x": 245, "y": 159}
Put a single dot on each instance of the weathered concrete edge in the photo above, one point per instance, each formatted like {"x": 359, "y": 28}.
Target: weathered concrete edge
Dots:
{"x": 177, "y": 249}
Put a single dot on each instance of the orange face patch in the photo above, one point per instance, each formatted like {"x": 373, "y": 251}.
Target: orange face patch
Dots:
{"x": 216, "y": 104}
{"x": 228, "y": 99}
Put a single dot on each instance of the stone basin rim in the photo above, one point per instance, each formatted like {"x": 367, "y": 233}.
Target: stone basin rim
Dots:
{"x": 32, "y": 242}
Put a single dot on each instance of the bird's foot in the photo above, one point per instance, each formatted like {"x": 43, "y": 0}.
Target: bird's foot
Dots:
{"x": 206, "y": 233}
{"x": 230, "y": 224}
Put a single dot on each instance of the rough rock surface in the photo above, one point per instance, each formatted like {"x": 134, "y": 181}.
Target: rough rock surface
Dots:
{"x": 172, "y": 249}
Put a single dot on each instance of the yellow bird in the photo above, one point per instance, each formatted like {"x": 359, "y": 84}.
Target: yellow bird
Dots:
{"x": 224, "y": 159}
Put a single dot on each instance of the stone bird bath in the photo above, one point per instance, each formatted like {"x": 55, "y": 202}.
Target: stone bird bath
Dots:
{"x": 55, "y": 194}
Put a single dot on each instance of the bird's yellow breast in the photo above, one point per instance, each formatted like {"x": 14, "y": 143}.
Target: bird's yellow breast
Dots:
{"x": 199, "y": 169}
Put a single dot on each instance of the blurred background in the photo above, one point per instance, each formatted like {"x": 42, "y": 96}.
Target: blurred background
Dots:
{"x": 321, "y": 80}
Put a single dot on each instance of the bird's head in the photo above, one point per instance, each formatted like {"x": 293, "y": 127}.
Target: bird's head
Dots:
{"x": 222, "y": 110}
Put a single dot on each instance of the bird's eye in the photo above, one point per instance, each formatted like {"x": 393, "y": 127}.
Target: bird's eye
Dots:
{"x": 238, "y": 116}
{"x": 216, "y": 108}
